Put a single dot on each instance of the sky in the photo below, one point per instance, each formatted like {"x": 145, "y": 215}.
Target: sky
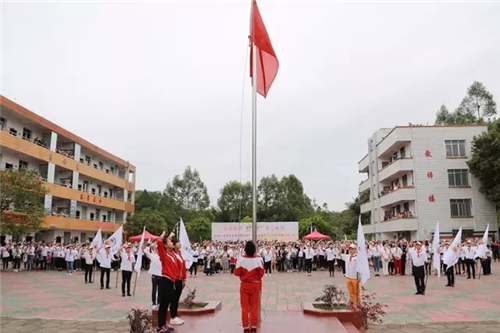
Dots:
{"x": 164, "y": 85}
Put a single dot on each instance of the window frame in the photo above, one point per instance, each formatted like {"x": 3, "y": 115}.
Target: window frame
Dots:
{"x": 462, "y": 207}
{"x": 458, "y": 174}
{"x": 453, "y": 148}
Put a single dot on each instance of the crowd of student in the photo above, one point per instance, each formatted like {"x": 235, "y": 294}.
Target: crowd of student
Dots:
{"x": 163, "y": 260}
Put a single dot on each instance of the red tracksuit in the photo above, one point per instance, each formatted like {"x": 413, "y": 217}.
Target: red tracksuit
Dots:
{"x": 250, "y": 270}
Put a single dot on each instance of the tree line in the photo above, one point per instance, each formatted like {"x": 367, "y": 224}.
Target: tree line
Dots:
{"x": 282, "y": 199}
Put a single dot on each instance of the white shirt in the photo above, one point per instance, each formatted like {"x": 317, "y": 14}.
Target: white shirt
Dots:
{"x": 350, "y": 266}
{"x": 396, "y": 252}
{"x": 44, "y": 251}
{"x": 5, "y": 253}
{"x": 89, "y": 259}
{"x": 418, "y": 257}
{"x": 70, "y": 255}
{"x": 309, "y": 253}
{"x": 374, "y": 251}
{"x": 268, "y": 256}
{"x": 105, "y": 259}
{"x": 301, "y": 252}
{"x": 155, "y": 264}
{"x": 127, "y": 260}
{"x": 470, "y": 252}
{"x": 331, "y": 253}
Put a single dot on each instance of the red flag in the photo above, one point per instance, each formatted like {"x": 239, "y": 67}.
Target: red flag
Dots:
{"x": 267, "y": 62}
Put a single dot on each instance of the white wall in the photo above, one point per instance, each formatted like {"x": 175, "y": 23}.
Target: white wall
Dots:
{"x": 11, "y": 158}
{"x": 12, "y": 122}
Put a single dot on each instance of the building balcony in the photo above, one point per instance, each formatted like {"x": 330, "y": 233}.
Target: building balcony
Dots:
{"x": 396, "y": 169}
{"x": 64, "y": 192}
{"x": 402, "y": 224}
{"x": 396, "y": 138}
{"x": 41, "y": 152}
{"x": 364, "y": 186}
{"x": 363, "y": 164}
{"x": 366, "y": 207}
{"x": 67, "y": 223}
{"x": 399, "y": 195}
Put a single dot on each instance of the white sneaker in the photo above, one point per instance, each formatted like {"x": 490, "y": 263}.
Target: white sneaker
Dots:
{"x": 70, "y": 273}
{"x": 176, "y": 321}
{"x": 67, "y": 273}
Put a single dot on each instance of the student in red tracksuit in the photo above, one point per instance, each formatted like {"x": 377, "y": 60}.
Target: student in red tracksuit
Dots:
{"x": 180, "y": 282}
{"x": 166, "y": 285}
{"x": 250, "y": 269}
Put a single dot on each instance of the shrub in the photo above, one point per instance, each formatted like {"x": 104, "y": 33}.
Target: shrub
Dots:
{"x": 368, "y": 311}
{"x": 140, "y": 321}
{"x": 188, "y": 302}
{"x": 333, "y": 297}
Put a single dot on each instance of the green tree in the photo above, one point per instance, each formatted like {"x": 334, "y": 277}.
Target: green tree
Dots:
{"x": 235, "y": 201}
{"x": 199, "y": 229}
{"x": 21, "y": 199}
{"x": 247, "y": 219}
{"x": 188, "y": 191}
{"x": 153, "y": 221}
{"x": 270, "y": 196}
{"x": 476, "y": 107}
{"x": 485, "y": 162}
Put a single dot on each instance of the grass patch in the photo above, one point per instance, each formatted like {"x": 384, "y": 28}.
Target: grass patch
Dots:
{"x": 323, "y": 306}
{"x": 194, "y": 306}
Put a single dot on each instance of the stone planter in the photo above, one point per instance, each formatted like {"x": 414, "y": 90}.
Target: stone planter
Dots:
{"x": 211, "y": 307}
{"x": 344, "y": 316}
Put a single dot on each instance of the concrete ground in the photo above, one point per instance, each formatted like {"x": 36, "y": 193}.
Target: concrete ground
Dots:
{"x": 27, "y": 297}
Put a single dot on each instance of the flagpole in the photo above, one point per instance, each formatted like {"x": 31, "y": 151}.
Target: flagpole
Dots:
{"x": 254, "y": 142}
{"x": 117, "y": 273}
{"x": 135, "y": 283}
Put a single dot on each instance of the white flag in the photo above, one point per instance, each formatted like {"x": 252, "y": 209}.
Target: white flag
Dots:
{"x": 97, "y": 241}
{"x": 138, "y": 263}
{"x": 115, "y": 241}
{"x": 362, "y": 266}
{"x": 436, "y": 259}
{"x": 481, "y": 250}
{"x": 185, "y": 245}
{"x": 450, "y": 258}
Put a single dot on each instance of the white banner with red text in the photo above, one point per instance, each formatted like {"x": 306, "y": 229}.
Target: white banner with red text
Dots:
{"x": 233, "y": 231}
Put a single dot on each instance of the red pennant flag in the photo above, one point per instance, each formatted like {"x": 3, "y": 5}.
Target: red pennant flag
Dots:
{"x": 267, "y": 62}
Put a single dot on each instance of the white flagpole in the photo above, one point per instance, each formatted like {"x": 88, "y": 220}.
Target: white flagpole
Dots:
{"x": 254, "y": 141}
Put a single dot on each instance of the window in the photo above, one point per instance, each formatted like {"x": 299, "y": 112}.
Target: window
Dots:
{"x": 458, "y": 177}
{"x": 112, "y": 170}
{"x": 101, "y": 166}
{"x": 79, "y": 187}
{"x": 2, "y": 123}
{"x": 26, "y": 134}
{"x": 455, "y": 148}
{"x": 107, "y": 170}
{"x": 104, "y": 218}
{"x": 9, "y": 166}
{"x": 92, "y": 217}
{"x": 87, "y": 160}
{"x": 95, "y": 166}
{"x": 384, "y": 164}
{"x": 13, "y": 131}
{"x": 93, "y": 190}
{"x": 460, "y": 208}
{"x": 402, "y": 152}
{"x": 77, "y": 215}
{"x": 405, "y": 180}
{"x": 23, "y": 165}
{"x": 105, "y": 194}
{"x": 99, "y": 189}
{"x": 81, "y": 160}
{"x": 406, "y": 207}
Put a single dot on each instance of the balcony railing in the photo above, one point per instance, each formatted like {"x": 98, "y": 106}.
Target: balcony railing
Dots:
{"x": 399, "y": 195}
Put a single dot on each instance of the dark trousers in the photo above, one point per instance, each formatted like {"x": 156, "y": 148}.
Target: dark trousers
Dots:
{"x": 341, "y": 264}
{"x": 17, "y": 263}
{"x": 308, "y": 265}
{"x": 165, "y": 296}
{"x": 391, "y": 268}
{"x": 450, "y": 275}
{"x": 486, "y": 264}
{"x": 154, "y": 289}
{"x": 331, "y": 266}
{"x": 267, "y": 266}
{"x": 321, "y": 261}
{"x": 107, "y": 271}
{"x": 419, "y": 276}
{"x": 126, "y": 278}
{"x": 43, "y": 264}
{"x": 470, "y": 264}
{"x": 88, "y": 272}
{"x": 193, "y": 268}
{"x": 5, "y": 262}
{"x": 175, "y": 301}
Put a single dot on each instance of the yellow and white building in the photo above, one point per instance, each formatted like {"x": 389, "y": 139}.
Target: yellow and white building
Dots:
{"x": 89, "y": 188}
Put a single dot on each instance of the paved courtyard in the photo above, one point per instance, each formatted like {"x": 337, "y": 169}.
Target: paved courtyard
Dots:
{"x": 56, "y": 296}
